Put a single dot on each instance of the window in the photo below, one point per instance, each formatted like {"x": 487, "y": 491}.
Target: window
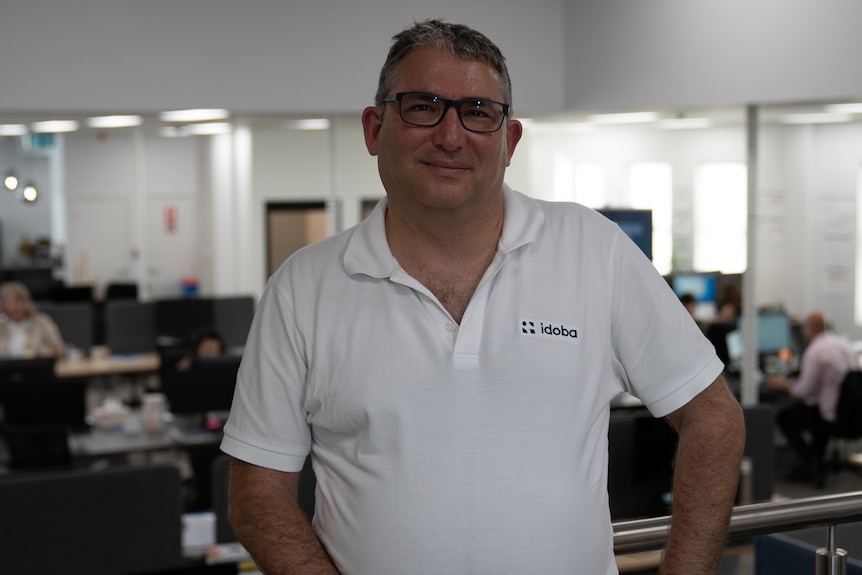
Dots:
{"x": 590, "y": 185}
{"x": 720, "y": 218}
{"x": 650, "y": 188}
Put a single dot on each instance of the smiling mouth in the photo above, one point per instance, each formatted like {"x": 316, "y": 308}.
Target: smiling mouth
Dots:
{"x": 447, "y": 167}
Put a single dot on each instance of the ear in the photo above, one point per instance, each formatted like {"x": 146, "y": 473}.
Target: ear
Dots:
{"x": 514, "y": 130}
{"x": 372, "y": 120}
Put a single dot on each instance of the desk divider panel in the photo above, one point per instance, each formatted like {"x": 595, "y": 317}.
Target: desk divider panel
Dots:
{"x": 76, "y": 320}
{"x": 232, "y": 318}
{"x": 129, "y": 327}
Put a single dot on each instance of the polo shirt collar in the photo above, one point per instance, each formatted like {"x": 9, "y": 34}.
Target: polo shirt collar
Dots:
{"x": 368, "y": 251}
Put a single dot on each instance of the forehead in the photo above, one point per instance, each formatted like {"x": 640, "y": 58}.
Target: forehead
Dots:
{"x": 443, "y": 73}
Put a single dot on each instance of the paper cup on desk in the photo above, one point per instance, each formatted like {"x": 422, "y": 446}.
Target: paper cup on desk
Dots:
{"x": 153, "y": 411}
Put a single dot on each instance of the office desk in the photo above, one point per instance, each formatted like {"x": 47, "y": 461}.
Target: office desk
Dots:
{"x": 103, "y": 443}
{"x": 100, "y": 363}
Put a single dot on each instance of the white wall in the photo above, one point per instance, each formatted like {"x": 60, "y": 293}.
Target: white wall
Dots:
{"x": 622, "y": 54}
{"x": 250, "y": 56}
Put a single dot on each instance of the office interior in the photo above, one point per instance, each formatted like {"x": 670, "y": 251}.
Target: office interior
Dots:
{"x": 753, "y": 87}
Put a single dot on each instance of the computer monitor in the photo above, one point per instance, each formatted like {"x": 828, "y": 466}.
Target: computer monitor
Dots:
{"x": 636, "y": 224}
{"x": 773, "y": 332}
{"x": 206, "y": 386}
{"x": 47, "y": 402}
{"x": 702, "y": 285}
{"x": 178, "y": 320}
{"x": 20, "y": 370}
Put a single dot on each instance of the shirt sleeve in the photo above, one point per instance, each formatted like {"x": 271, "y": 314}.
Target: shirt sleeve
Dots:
{"x": 267, "y": 425}
{"x": 663, "y": 357}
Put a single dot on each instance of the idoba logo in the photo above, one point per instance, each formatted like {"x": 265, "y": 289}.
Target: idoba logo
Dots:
{"x": 530, "y": 328}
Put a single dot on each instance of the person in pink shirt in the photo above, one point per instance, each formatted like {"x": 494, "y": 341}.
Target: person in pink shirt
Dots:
{"x": 825, "y": 363}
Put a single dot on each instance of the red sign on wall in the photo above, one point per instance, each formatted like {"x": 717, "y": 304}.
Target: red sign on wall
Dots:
{"x": 170, "y": 218}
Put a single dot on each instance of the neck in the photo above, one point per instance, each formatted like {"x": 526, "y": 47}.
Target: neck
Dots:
{"x": 442, "y": 236}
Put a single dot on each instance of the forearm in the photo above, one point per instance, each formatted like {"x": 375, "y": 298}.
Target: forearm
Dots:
{"x": 706, "y": 475}
{"x": 271, "y": 526}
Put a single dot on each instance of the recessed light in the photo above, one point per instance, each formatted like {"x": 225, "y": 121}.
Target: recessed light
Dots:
{"x": 310, "y": 124}
{"x": 13, "y": 130}
{"x": 54, "y": 126}
{"x": 194, "y": 115}
{"x": 117, "y": 121}
{"x": 818, "y": 118}
{"x": 209, "y": 129}
{"x": 855, "y": 108}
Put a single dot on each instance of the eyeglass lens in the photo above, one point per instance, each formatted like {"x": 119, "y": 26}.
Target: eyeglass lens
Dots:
{"x": 476, "y": 115}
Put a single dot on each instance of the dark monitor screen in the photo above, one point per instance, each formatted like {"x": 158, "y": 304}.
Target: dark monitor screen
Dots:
{"x": 206, "y": 386}
{"x": 14, "y": 370}
{"x": 636, "y": 224}
{"x": 46, "y": 401}
{"x": 181, "y": 319}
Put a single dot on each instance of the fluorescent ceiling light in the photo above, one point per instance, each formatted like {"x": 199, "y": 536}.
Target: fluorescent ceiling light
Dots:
{"x": 114, "y": 121}
{"x": 210, "y": 129}
{"x": 195, "y": 115}
{"x": 821, "y": 118}
{"x": 845, "y": 108}
{"x": 13, "y": 130}
{"x": 684, "y": 123}
{"x": 625, "y": 118}
{"x": 310, "y": 124}
{"x": 54, "y": 126}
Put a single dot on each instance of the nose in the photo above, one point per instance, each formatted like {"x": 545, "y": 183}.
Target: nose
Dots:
{"x": 449, "y": 134}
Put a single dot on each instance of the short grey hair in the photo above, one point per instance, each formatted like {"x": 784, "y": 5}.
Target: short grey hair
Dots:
{"x": 19, "y": 289}
{"x": 459, "y": 39}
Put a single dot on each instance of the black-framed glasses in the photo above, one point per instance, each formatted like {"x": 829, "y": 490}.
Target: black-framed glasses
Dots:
{"x": 476, "y": 114}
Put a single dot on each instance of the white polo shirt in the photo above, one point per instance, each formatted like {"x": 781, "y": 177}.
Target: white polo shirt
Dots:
{"x": 479, "y": 448}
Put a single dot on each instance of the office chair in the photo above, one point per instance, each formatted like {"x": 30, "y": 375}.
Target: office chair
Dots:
{"x": 847, "y": 427}
{"x": 37, "y": 446}
{"x": 120, "y": 290}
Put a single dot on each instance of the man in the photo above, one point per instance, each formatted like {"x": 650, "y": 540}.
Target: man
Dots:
{"x": 449, "y": 362}
{"x": 824, "y": 364}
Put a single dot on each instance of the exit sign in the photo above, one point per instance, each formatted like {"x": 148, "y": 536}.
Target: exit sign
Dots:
{"x": 41, "y": 141}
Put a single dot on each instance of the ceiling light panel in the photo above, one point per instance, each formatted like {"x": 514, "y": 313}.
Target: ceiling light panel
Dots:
{"x": 194, "y": 115}
{"x": 819, "y": 118}
{"x": 845, "y": 108}
{"x": 54, "y": 126}
{"x": 13, "y": 130}
{"x": 123, "y": 121}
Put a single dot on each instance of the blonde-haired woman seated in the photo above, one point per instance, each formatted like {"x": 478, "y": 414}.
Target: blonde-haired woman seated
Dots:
{"x": 24, "y": 331}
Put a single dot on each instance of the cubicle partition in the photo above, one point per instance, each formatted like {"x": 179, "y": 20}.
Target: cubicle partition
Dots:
{"x": 76, "y": 321}
{"x": 129, "y": 326}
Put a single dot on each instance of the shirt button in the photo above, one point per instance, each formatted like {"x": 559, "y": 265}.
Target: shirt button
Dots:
{"x": 450, "y": 327}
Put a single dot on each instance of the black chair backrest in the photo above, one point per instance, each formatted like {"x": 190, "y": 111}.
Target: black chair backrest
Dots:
{"x": 848, "y": 414}
{"x": 117, "y": 520}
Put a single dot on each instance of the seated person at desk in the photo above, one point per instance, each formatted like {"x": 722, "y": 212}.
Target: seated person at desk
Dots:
{"x": 825, "y": 362}
{"x": 208, "y": 343}
{"x": 24, "y": 331}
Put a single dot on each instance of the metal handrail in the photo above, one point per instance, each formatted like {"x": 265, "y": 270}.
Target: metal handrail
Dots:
{"x": 747, "y": 520}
